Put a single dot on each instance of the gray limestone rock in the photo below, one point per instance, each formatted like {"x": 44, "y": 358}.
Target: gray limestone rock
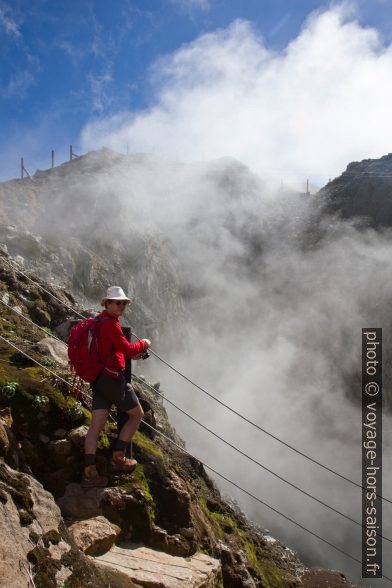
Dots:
{"x": 155, "y": 568}
{"x": 40, "y": 516}
{"x": 54, "y": 349}
{"x": 94, "y": 536}
{"x": 77, "y": 436}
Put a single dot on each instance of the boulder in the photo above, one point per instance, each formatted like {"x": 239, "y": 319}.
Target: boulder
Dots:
{"x": 77, "y": 436}
{"x": 94, "y": 536}
{"x": 126, "y": 510}
{"x": 55, "y": 349}
{"x": 147, "y": 567}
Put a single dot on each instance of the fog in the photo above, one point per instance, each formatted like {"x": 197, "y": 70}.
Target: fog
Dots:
{"x": 277, "y": 337}
{"x": 288, "y": 341}
{"x": 274, "y": 301}
{"x": 275, "y": 294}
{"x": 276, "y": 328}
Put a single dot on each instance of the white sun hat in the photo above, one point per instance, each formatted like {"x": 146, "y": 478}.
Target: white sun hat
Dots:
{"x": 114, "y": 293}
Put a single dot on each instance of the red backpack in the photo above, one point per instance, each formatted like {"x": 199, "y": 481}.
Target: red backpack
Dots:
{"x": 83, "y": 348}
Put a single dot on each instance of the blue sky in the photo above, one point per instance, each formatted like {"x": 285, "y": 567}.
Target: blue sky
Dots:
{"x": 66, "y": 65}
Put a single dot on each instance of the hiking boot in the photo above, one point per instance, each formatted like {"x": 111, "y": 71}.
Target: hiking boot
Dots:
{"x": 92, "y": 479}
{"x": 120, "y": 463}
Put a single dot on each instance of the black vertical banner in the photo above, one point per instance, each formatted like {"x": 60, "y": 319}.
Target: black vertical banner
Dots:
{"x": 121, "y": 416}
{"x": 371, "y": 453}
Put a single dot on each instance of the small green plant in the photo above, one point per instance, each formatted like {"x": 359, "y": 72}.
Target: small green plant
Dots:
{"x": 74, "y": 411}
{"x": 49, "y": 362}
{"x": 41, "y": 401}
{"x": 103, "y": 441}
{"x": 9, "y": 389}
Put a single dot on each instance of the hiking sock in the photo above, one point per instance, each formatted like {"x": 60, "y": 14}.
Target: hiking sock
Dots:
{"x": 121, "y": 419}
{"x": 121, "y": 445}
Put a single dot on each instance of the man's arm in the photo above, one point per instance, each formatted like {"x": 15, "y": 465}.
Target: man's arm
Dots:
{"x": 121, "y": 344}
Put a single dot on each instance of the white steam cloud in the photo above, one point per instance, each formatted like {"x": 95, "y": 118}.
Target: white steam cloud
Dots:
{"x": 275, "y": 323}
{"x": 277, "y": 337}
{"x": 274, "y": 330}
{"x": 302, "y": 112}
{"x": 276, "y": 334}
{"x": 275, "y": 308}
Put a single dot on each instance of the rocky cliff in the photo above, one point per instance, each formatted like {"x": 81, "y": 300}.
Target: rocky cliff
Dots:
{"x": 362, "y": 192}
{"x": 166, "y": 524}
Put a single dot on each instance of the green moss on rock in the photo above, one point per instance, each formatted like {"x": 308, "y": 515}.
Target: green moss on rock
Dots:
{"x": 103, "y": 441}
{"x": 147, "y": 445}
{"x": 227, "y": 529}
{"x": 141, "y": 479}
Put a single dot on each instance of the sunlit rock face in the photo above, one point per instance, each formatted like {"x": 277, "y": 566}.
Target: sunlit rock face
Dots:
{"x": 363, "y": 190}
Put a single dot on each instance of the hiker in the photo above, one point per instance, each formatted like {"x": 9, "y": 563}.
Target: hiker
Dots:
{"x": 110, "y": 388}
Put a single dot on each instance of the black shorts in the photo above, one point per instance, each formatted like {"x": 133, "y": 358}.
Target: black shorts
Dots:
{"x": 108, "y": 391}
